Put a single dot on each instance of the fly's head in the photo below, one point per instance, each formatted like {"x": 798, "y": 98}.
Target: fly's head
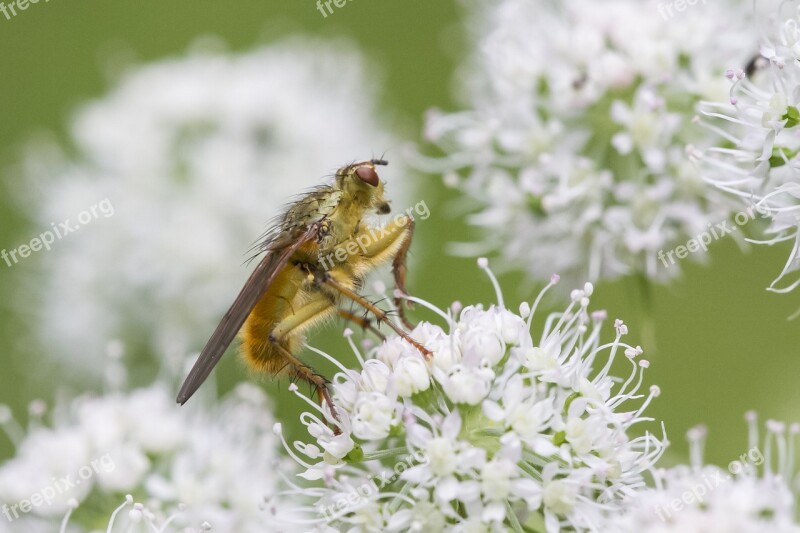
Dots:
{"x": 362, "y": 187}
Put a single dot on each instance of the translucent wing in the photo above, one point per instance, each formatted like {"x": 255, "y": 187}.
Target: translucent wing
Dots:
{"x": 255, "y": 287}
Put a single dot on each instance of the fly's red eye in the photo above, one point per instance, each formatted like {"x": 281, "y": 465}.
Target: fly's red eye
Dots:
{"x": 368, "y": 175}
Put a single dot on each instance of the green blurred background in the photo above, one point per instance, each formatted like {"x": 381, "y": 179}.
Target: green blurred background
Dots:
{"x": 723, "y": 344}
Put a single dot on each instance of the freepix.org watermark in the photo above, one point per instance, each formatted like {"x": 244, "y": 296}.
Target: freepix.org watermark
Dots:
{"x": 324, "y": 6}
{"x": 12, "y": 8}
{"x": 665, "y": 9}
{"x": 696, "y": 494}
{"x": 361, "y": 243}
{"x": 345, "y": 503}
{"x": 714, "y": 233}
{"x": 46, "y": 239}
{"x": 60, "y": 486}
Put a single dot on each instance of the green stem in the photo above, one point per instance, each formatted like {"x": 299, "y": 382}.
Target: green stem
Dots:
{"x": 383, "y": 454}
{"x": 646, "y": 303}
{"x": 512, "y": 517}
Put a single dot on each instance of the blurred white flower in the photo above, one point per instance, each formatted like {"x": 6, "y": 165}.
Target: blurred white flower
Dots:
{"x": 758, "y": 138}
{"x": 484, "y": 442}
{"x": 195, "y": 154}
{"x": 215, "y": 465}
{"x": 573, "y": 143}
{"x": 754, "y": 494}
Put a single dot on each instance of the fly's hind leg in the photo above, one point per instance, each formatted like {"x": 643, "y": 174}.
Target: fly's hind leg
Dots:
{"x": 290, "y": 330}
{"x": 304, "y": 372}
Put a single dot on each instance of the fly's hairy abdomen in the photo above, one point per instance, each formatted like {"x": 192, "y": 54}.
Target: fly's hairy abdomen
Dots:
{"x": 291, "y": 306}
{"x": 277, "y": 303}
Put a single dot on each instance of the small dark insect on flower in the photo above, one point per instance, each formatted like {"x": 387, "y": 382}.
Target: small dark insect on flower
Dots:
{"x": 756, "y": 63}
{"x": 293, "y": 288}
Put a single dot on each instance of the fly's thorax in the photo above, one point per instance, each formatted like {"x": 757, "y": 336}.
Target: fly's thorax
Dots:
{"x": 314, "y": 207}
{"x": 339, "y": 227}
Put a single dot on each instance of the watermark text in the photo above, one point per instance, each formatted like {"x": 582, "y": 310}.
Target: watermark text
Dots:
{"x": 11, "y": 9}
{"x": 665, "y": 9}
{"x": 708, "y": 482}
{"x": 346, "y": 502}
{"x": 324, "y": 6}
{"x": 46, "y": 239}
{"x": 714, "y": 233}
{"x": 60, "y": 486}
{"x": 361, "y": 244}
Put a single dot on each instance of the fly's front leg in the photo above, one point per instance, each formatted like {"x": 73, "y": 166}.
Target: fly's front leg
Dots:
{"x": 395, "y": 241}
{"x": 365, "y": 323}
{"x": 399, "y": 270}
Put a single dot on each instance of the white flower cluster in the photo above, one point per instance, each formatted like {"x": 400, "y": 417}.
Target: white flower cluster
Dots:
{"x": 573, "y": 144}
{"x": 755, "y": 493}
{"x": 195, "y": 154}
{"x": 498, "y": 431}
{"x": 756, "y": 124}
{"x": 186, "y": 468}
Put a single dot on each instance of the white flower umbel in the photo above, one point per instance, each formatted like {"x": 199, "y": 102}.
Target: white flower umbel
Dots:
{"x": 195, "y": 155}
{"x": 572, "y": 145}
{"x": 183, "y": 466}
{"x": 759, "y": 138}
{"x": 500, "y": 430}
{"x": 755, "y": 493}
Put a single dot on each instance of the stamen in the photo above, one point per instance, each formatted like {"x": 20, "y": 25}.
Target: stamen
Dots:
{"x": 72, "y": 504}
{"x": 483, "y": 264}
{"x": 554, "y": 279}
{"x": 128, "y": 501}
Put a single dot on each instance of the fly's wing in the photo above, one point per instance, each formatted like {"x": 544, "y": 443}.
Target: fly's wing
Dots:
{"x": 255, "y": 287}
